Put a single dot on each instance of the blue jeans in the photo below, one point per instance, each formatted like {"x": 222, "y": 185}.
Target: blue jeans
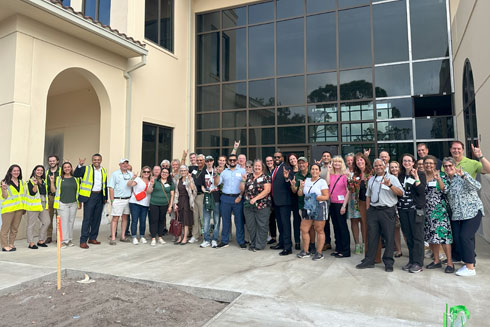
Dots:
{"x": 207, "y": 222}
{"x": 138, "y": 214}
{"x": 228, "y": 205}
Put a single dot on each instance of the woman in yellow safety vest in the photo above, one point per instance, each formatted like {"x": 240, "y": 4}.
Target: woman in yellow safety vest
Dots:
{"x": 37, "y": 207}
{"x": 66, "y": 202}
{"x": 13, "y": 206}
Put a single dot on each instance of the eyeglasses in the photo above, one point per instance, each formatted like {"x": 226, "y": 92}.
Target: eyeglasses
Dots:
{"x": 277, "y": 157}
{"x": 146, "y": 172}
{"x": 407, "y": 160}
{"x": 232, "y": 160}
{"x": 448, "y": 166}
{"x": 165, "y": 172}
{"x": 248, "y": 167}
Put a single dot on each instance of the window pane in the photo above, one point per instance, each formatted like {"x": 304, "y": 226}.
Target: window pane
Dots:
{"x": 149, "y": 145}
{"x": 208, "y": 121}
{"x": 291, "y": 135}
{"x": 390, "y": 32}
{"x": 207, "y": 139}
{"x": 325, "y": 113}
{"x": 164, "y": 143}
{"x": 323, "y": 133}
{"x": 261, "y": 51}
{"x": 290, "y": 115}
{"x": 396, "y": 149}
{"x": 439, "y": 149}
{"x": 234, "y": 17}
{"x": 215, "y": 153}
{"x": 431, "y": 77}
{"x": 431, "y": 128}
{"x": 322, "y": 87}
{"x": 230, "y": 136}
{"x": 429, "y": 29}
{"x": 354, "y": 148}
{"x": 289, "y": 8}
{"x": 208, "y": 22}
{"x": 356, "y": 84}
{"x": 105, "y": 12}
{"x": 234, "y": 119}
{"x": 261, "y": 117}
{"x": 356, "y": 111}
{"x": 354, "y": 37}
{"x": 258, "y": 136}
{"x": 262, "y": 12}
{"x": 261, "y": 93}
{"x": 433, "y": 106}
{"x": 395, "y": 130}
{"x": 234, "y": 95}
{"x": 234, "y": 55}
{"x": 394, "y": 108}
{"x": 290, "y": 47}
{"x": 320, "y": 5}
{"x": 208, "y": 58}
{"x": 208, "y": 98}
{"x": 260, "y": 153}
{"x": 352, "y": 3}
{"x": 151, "y": 20}
{"x": 357, "y": 132}
{"x": 321, "y": 45}
{"x": 392, "y": 80}
{"x": 290, "y": 90}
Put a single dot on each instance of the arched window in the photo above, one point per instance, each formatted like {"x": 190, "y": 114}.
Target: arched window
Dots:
{"x": 469, "y": 108}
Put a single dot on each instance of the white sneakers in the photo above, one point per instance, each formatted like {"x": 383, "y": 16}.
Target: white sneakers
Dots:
{"x": 161, "y": 241}
{"x": 153, "y": 242}
{"x": 465, "y": 272}
{"x": 204, "y": 244}
{"x": 143, "y": 240}
{"x": 135, "y": 241}
{"x": 214, "y": 244}
{"x": 193, "y": 240}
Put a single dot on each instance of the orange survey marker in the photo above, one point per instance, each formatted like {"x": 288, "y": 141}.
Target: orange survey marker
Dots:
{"x": 59, "y": 239}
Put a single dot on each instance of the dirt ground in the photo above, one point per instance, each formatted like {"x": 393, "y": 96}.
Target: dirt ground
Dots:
{"x": 106, "y": 302}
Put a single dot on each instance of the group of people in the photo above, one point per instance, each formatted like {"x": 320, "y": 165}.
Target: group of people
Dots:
{"x": 435, "y": 202}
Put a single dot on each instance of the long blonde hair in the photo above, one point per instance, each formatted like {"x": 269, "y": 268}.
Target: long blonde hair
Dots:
{"x": 343, "y": 167}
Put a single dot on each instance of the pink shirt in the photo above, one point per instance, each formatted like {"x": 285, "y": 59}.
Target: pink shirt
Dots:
{"x": 338, "y": 193}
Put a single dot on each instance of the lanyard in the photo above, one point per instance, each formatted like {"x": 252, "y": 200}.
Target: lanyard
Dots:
{"x": 379, "y": 188}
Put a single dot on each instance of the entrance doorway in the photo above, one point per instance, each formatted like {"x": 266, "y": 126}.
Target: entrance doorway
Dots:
{"x": 469, "y": 109}
{"x": 299, "y": 151}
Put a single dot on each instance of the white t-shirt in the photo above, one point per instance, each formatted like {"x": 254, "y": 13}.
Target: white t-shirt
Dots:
{"x": 315, "y": 187}
{"x": 140, "y": 187}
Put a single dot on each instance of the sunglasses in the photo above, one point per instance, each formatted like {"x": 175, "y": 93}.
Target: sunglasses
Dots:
{"x": 447, "y": 166}
{"x": 146, "y": 172}
{"x": 232, "y": 160}
{"x": 277, "y": 157}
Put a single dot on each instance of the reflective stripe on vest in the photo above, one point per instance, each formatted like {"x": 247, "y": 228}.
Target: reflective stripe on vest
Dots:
{"x": 34, "y": 203}
{"x": 15, "y": 201}
{"x": 87, "y": 181}
{"x": 56, "y": 203}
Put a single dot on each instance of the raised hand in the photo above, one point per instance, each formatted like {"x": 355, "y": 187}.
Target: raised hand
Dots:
{"x": 293, "y": 181}
{"x": 386, "y": 181}
{"x": 4, "y": 186}
{"x": 244, "y": 177}
{"x": 219, "y": 169}
{"x": 301, "y": 184}
{"x": 437, "y": 175}
{"x": 184, "y": 153}
{"x": 51, "y": 178}
{"x": 135, "y": 175}
{"x": 285, "y": 172}
{"x": 153, "y": 178}
{"x": 237, "y": 144}
{"x": 414, "y": 173}
{"x": 81, "y": 162}
{"x": 34, "y": 180}
{"x": 459, "y": 171}
{"x": 476, "y": 151}
{"x": 366, "y": 152}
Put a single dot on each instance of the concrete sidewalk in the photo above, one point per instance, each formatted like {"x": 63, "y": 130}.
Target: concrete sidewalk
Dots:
{"x": 276, "y": 291}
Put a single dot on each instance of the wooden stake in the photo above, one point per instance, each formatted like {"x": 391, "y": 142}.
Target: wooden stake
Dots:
{"x": 58, "y": 244}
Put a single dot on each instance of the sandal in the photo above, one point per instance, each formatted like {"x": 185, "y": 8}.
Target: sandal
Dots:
{"x": 398, "y": 254}
{"x": 5, "y": 250}
{"x": 333, "y": 254}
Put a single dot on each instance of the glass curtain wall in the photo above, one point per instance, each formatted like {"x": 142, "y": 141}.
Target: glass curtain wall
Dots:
{"x": 353, "y": 74}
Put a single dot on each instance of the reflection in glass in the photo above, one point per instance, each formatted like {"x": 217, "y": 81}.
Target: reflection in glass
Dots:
{"x": 290, "y": 90}
{"x": 291, "y": 135}
{"x": 322, "y": 113}
{"x": 234, "y": 96}
{"x": 234, "y": 119}
{"x": 234, "y": 55}
{"x": 392, "y": 80}
{"x": 434, "y": 127}
{"x": 208, "y": 22}
{"x": 208, "y": 121}
{"x": 259, "y": 136}
{"x": 429, "y": 29}
{"x": 229, "y": 136}
{"x": 432, "y": 77}
{"x": 354, "y": 148}
{"x": 261, "y": 93}
{"x": 390, "y": 32}
{"x": 208, "y": 58}
{"x": 208, "y": 138}
{"x": 355, "y": 37}
{"x": 262, "y": 117}
{"x": 435, "y": 105}
{"x": 313, "y": 6}
{"x": 214, "y": 152}
{"x": 322, "y": 87}
{"x": 356, "y": 111}
{"x": 262, "y": 12}
{"x": 261, "y": 153}
{"x": 148, "y": 144}
{"x": 357, "y": 132}
{"x": 439, "y": 149}
{"x": 321, "y": 46}
{"x": 395, "y": 130}
{"x": 290, "y": 115}
{"x": 396, "y": 150}
{"x": 289, "y": 8}
{"x": 290, "y": 47}
{"x": 352, "y": 3}
{"x": 393, "y": 108}
{"x": 356, "y": 84}
{"x": 323, "y": 133}
{"x": 208, "y": 98}
{"x": 234, "y": 17}
{"x": 261, "y": 51}
{"x": 164, "y": 143}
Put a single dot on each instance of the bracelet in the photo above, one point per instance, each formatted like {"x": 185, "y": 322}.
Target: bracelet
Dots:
{"x": 390, "y": 185}
{"x": 417, "y": 181}
{"x": 480, "y": 157}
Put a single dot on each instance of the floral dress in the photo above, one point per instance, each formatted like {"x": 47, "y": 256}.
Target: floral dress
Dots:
{"x": 254, "y": 187}
{"x": 437, "y": 228}
{"x": 354, "y": 187}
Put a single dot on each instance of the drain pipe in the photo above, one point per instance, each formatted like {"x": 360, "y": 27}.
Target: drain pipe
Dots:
{"x": 129, "y": 100}
{"x": 189, "y": 91}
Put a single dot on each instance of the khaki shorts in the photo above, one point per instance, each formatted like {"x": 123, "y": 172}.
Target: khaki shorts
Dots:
{"x": 120, "y": 207}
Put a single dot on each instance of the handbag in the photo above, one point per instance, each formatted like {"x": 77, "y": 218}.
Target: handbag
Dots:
{"x": 141, "y": 195}
{"x": 175, "y": 225}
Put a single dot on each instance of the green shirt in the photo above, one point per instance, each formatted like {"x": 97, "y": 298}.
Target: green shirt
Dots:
{"x": 470, "y": 166}
{"x": 158, "y": 197}
{"x": 68, "y": 190}
{"x": 300, "y": 177}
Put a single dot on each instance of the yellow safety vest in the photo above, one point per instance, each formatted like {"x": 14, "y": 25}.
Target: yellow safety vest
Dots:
{"x": 56, "y": 203}
{"x": 15, "y": 200}
{"x": 48, "y": 182}
{"x": 88, "y": 182}
{"x": 34, "y": 203}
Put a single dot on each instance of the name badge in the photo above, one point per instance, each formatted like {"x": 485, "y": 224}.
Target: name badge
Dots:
{"x": 194, "y": 172}
{"x": 208, "y": 176}
{"x": 166, "y": 185}
{"x": 238, "y": 175}
{"x": 410, "y": 181}
{"x": 260, "y": 180}
{"x": 358, "y": 178}
{"x": 385, "y": 187}
{"x": 341, "y": 197}
{"x": 432, "y": 184}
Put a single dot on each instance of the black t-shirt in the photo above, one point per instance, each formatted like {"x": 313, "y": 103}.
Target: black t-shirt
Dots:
{"x": 205, "y": 179}
{"x": 362, "y": 191}
{"x": 41, "y": 187}
{"x": 196, "y": 175}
